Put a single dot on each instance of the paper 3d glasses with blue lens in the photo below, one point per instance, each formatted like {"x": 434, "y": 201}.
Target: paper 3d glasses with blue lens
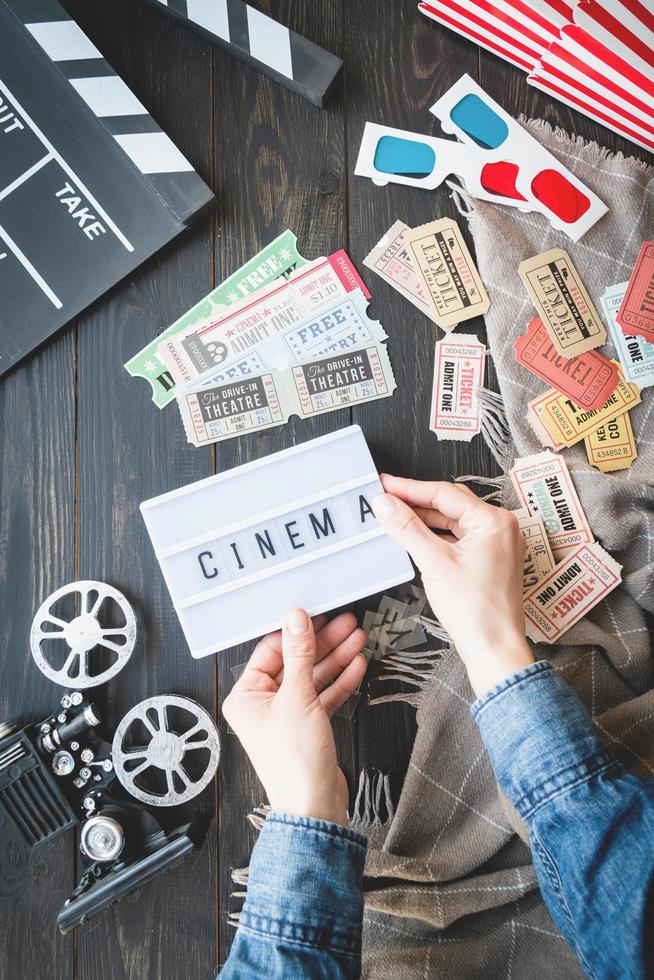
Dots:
{"x": 497, "y": 159}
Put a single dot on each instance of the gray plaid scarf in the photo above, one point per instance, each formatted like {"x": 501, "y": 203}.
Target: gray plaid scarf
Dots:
{"x": 450, "y": 888}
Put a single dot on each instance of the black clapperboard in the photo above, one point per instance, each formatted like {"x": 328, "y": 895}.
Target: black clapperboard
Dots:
{"x": 90, "y": 186}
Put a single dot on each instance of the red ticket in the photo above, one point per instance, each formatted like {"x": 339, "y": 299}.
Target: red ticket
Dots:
{"x": 587, "y": 379}
{"x": 636, "y": 313}
{"x": 569, "y": 591}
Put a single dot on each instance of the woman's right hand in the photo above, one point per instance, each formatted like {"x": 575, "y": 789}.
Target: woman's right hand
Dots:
{"x": 472, "y": 573}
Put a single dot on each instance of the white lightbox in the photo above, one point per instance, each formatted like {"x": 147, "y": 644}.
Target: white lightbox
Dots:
{"x": 296, "y": 528}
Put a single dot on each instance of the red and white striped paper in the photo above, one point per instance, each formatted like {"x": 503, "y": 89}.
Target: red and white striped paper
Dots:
{"x": 596, "y": 56}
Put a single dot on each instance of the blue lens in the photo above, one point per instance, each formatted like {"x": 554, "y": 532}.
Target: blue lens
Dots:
{"x": 480, "y": 122}
{"x": 404, "y": 158}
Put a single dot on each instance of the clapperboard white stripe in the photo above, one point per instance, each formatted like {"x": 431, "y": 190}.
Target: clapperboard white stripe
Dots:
{"x": 153, "y": 153}
{"x": 109, "y": 97}
{"x": 269, "y": 42}
{"x": 63, "y": 40}
{"x": 269, "y": 46}
{"x": 211, "y": 16}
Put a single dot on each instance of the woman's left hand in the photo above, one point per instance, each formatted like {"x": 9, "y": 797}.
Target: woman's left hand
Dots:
{"x": 281, "y": 706}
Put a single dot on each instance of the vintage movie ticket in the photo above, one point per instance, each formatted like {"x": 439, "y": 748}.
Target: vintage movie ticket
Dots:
{"x": 279, "y": 258}
{"x": 587, "y": 379}
{"x": 568, "y": 423}
{"x": 636, "y": 313}
{"x": 447, "y": 272}
{"x": 390, "y": 260}
{"x": 569, "y": 591}
{"x": 334, "y": 330}
{"x": 543, "y": 485}
{"x": 562, "y": 302}
{"x": 261, "y": 401}
{"x": 635, "y": 354}
{"x": 530, "y": 570}
{"x": 533, "y": 417}
{"x": 458, "y": 371}
{"x": 612, "y": 446}
{"x": 294, "y": 307}
{"x": 538, "y": 555}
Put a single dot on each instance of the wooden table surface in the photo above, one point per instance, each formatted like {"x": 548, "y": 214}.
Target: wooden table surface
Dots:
{"x": 81, "y": 444}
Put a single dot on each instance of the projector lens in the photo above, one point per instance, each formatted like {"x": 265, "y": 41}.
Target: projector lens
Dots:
{"x": 102, "y": 838}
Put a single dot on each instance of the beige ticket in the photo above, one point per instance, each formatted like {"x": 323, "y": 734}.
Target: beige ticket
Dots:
{"x": 447, "y": 272}
{"x": 562, "y": 302}
{"x": 538, "y": 555}
{"x": 612, "y": 446}
{"x": 569, "y": 591}
{"x": 252, "y": 403}
{"x": 390, "y": 260}
{"x": 543, "y": 485}
{"x": 567, "y": 423}
{"x": 533, "y": 417}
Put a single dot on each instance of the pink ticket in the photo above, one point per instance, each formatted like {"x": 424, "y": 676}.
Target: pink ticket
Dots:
{"x": 458, "y": 371}
{"x": 291, "y": 306}
{"x": 543, "y": 485}
{"x": 390, "y": 260}
{"x": 569, "y": 591}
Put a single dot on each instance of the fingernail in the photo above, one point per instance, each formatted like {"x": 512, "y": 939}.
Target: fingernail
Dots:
{"x": 297, "y": 622}
{"x": 383, "y": 506}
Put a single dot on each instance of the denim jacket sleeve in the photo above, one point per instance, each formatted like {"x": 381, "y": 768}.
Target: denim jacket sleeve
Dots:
{"x": 303, "y": 912}
{"x": 591, "y": 824}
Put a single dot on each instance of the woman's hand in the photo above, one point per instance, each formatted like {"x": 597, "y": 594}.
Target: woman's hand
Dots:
{"x": 472, "y": 573}
{"x": 280, "y": 709}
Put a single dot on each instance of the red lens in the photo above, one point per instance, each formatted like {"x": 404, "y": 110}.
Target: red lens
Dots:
{"x": 500, "y": 178}
{"x": 559, "y": 196}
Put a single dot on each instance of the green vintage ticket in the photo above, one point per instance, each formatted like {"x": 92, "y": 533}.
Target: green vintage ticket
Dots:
{"x": 279, "y": 258}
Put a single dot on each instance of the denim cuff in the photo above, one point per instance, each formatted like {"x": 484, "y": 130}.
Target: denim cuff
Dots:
{"x": 305, "y": 884}
{"x": 540, "y": 739}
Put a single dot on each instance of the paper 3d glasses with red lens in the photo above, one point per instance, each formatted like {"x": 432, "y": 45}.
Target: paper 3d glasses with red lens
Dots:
{"x": 497, "y": 159}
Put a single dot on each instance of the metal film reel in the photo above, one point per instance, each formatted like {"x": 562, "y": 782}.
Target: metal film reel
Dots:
{"x": 163, "y": 766}
{"x": 83, "y": 635}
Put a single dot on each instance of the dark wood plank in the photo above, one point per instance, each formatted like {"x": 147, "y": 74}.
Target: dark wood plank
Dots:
{"x": 281, "y": 163}
{"x": 393, "y": 75}
{"x": 37, "y": 551}
{"x": 128, "y": 451}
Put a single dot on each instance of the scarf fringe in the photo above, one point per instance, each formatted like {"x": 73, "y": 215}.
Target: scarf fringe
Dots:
{"x": 495, "y": 427}
{"x": 595, "y": 152}
{"x": 241, "y": 876}
{"x": 411, "y": 668}
{"x": 373, "y": 806}
{"x": 434, "y": 628}
{"x": 258, "y": 816}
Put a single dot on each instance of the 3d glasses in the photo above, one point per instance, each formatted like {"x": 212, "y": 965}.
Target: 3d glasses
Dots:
{"x": 399, "y": 157}
{"x": 482, "y": 125}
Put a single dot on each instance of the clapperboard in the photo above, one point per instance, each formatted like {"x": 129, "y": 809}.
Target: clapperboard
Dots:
{"x": 248, "y": 34}
{"x": 296, "y": 528}
{"x": 89, "y": 184}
